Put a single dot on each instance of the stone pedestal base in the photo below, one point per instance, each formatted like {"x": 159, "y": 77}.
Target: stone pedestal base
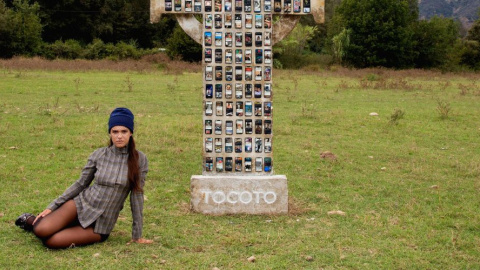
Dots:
{"x": 220, "y": 195}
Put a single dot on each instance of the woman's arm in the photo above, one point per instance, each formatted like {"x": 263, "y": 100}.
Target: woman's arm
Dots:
{"x": 136, "y": 203}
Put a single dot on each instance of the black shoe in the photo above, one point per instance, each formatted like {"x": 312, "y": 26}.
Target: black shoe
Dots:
{"x": 22, "y": 221}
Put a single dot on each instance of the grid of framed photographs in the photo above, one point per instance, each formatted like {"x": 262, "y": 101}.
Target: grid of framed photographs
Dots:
{"x": 237, "y": 90}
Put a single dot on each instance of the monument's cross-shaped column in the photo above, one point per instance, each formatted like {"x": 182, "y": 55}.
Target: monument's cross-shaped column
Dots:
{"x": 237, "y": 38}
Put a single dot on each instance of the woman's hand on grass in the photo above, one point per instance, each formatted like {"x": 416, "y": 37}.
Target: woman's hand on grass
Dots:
{"x": 140, "y": 241}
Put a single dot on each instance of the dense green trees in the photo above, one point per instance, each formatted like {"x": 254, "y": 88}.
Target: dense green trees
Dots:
{"x": 20, "y": 29}
{"x": 358, "y": 33}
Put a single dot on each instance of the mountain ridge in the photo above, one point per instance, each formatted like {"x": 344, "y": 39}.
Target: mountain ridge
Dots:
{"x": 466, "y": 11}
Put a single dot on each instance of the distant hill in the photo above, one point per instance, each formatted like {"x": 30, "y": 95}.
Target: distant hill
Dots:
{"x": 464, "y": 10}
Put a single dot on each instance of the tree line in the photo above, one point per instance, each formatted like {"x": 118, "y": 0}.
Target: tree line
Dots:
{"x": 357, "y": 33}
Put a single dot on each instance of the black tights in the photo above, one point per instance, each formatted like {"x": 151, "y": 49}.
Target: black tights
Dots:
{"x": 61, "y": 229}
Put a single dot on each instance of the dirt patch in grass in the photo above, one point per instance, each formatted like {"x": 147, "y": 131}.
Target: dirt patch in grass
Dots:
{"x": 147, "y": 63}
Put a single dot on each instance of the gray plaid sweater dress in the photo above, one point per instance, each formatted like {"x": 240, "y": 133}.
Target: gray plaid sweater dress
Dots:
{"x": 102, "y": 201}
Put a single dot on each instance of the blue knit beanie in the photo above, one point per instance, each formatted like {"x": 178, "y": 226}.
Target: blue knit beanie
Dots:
{"x": 121, "y": 117}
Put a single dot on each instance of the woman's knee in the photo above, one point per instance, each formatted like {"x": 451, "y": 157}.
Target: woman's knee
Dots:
{"x": 42, "y": 230}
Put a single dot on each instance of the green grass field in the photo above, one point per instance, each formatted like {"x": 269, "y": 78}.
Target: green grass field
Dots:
{"x": 409, "y": 185}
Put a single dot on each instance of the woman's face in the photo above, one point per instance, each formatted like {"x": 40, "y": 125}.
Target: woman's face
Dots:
{"x": 120, "y": 136}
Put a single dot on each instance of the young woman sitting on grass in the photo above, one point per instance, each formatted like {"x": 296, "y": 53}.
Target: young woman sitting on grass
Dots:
{"x": 86, "y": 213}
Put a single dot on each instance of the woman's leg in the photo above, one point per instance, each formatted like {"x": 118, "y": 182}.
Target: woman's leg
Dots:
{"x": 56, "y": 221}
{"x": 73, "y": 236}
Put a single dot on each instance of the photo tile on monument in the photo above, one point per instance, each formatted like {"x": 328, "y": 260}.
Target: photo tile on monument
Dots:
{"x": 267, "y": 92}
{"x": 228, "y": 73}
{"x": 228, "y": 56}
{"x": 238, "y": 21}
{"x": 267, "y": 108}
{"x": 268, "y": 56}
{"x": 208, "y": 126}
{"x": 248, "y": 21}
{"x": 258, "y": 145}
{"x": 258, "y": 39}
{"x": 248, "y": 108}
{"x": 277, "y": 5}
{"x": 258, "y": 21}
{"x": 218, "y": 5}
{"x": 238, "y": 56}
{"x": 258, "y": 73}
{"x": 258, "y": 126}
{"x": 228, "y": 91}
{"x": 248, "y": 39}
{"x": 218, "y": 73}
{"x": 238, "y": 5}
{"x": 229, "y": 109}
{"x": 218, "y": 21}
{"x": 218, "y": 56}
{"x": 219, "y": 164}
{"x": 248, "y": 144}
{"x": 267, "y": 164}
{"x": 257, "y": 6}
{"x": 297, "y": 6}
{"x": 208, "y": 55}
{"x": 248, "y": 74}
{"x": 178, "y": 5}
{"x": 208, "y": 38}
{"x": 208, "y": 145}
{"x": 248, "y": 56}
{"x": 208, "y": 91}
{"x": 238, "y": 145}
{"x": 268, "y": 38}
{"x": 229, "y": 127}
{"x": 267, "y": 22}
{"x": 197, "y": 6}
{"x": 248, "y": 89}
{"x": 208, "y": 164}
{"x": 218, "y": 39}
{"x": 208, "y": 73}
{"x": 228, "y": 39}
{"x": 247, "y": 5}
{"x": 228, "y": 5}
{"x": 267, "y": 6}
{"x": 188, "y": 5}
{"x": 228, "y": 20}
{"x": 218, "y": 127}
{"x": 238, "y": 90}
{"x": 268, "y": 127}
{"x": 239, "y": 108}
{"x": 268, "y": 73}
{"x": 239, "y": 125}
{"x": 258, "y": 164}
{"x": 218, "y": 145}
{"x": 257, "y": 91}
{"x": 168, "y": 5}
{"x": 268, "y": 145}
{"x": 238, "y": 73}
{"x": 219, "y": 108}
{"x": 208, "y": 108}
{"x": 258, "y": 56}
{"x": 228, "y": 145}
{"x": 248, "y": 164}
{"x": 248, "y": 126}
{"x": 287, "y": 6}
{"x": 208, "y": 5}
{"x": 238, "y": 164}
{"x": 228, "y": 164}
{"x": 218, "y": 90}
{"x": 238, "y": 39}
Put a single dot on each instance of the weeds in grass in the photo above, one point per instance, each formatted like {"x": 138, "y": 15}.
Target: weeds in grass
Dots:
{"x": 308, "y": 111}
{"x": 77, "y": 83}
{"x": 129, "y": 84}
{"x": 443, "y": 109}
{"x": 396, "y": 116}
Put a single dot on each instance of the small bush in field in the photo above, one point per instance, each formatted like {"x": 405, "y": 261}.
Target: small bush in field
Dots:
{"x": 396, "y": 116}
{"x": 443, "y": 109}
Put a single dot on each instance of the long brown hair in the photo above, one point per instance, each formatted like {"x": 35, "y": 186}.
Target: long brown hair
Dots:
{"x": 133, "y": 167}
